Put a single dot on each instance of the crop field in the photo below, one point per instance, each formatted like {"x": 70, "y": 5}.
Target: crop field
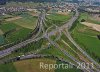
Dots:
{"x": 7, "y": 68}
{"x": 14, "y": 32}
{"x": 58, "y": 19}
{"x": 66, "y": 70}
{"x": 16, "y": 27}
{"x": 33, "y": 65}
{"x": 7, "y": 27}
{"x": 5, "y": 16}
{"x": 26, "y": 20}
{"x": 93, "y": 26}
{"x": 18, "y": 35}
{"x": 88, "y": 18}
{"x": 49, "y": 36}
{"x": 87, "y": 38}
{"x": 33, "y": 13}
{"x": 13, "y": 18}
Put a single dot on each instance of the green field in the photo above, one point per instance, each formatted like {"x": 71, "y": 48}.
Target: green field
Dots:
{"x": 7, "y": 68}
{"x": 67, "y": 46}
{"x": 17, "y": 30}
{"x": 88, "y": 18}
{"x": 67, "y": 70}
{"x": 33, "y": 65}
{"x": 87, "y": 39}
{"x": 58, "y": 19}
{"x": 5, "y": 16}
{"x": 20, "y": 29}
{"x": 18, "y": 35}
{"x": 26, "y": 21}
{"x": 56, "y": 52}
{"x": 7, "y": 27}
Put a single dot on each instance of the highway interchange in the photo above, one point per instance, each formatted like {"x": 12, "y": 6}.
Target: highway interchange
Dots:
{"x": 67, "y": 26}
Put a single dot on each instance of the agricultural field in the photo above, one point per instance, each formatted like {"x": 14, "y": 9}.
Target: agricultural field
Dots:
{"x": 93, "y": 26}
{"x": 66, "y": 70}
{"x": 58, "y": 19}
{"x": 33, "y": 65}
{"x": 88, "y": 18}
{"x": 34, "y": 32}
{"x": 16, "y": 27}
{"x": 7, "y": 68}
{"x": 30, "y": 65}
{"x": 86, "y": 37}
{"x": 27, "y": 21}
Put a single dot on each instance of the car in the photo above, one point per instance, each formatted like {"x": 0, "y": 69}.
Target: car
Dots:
{"x": 18, "y": 58}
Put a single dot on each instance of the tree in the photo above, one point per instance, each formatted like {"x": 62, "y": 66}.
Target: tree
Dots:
{"x": 83, "y": 20}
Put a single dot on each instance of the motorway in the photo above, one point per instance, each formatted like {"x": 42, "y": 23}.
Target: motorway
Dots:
{"x": 40, "y": 23}
{"x": 68, "y": 35}
{"x": 62, "y": 50}
{"x": 24, "y": 43}
{"x": 67, "y": 54}
{"x": 31, "y": 56}
{"x": 65, "y": 26}
{"x": 76, "y": 45}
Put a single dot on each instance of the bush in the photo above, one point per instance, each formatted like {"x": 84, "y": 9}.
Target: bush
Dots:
{"x": 83, "y": 20}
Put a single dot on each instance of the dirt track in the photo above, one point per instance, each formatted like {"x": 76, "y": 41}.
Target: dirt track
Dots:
{"x": 63, "y": 13}
{"x": 14, "y": 18}
{"x": 92, "y": 25}
{"x": 34, "y": 14}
